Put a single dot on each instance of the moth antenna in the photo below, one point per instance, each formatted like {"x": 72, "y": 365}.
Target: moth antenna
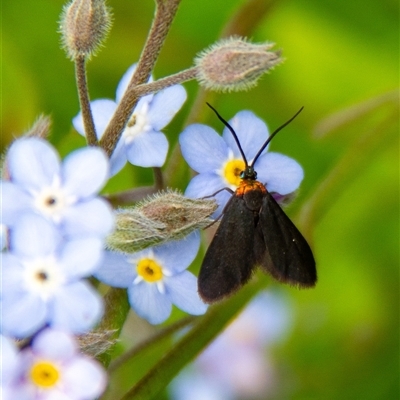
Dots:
{"x": 233, "y": 133}
{"x": 273, "y": 134}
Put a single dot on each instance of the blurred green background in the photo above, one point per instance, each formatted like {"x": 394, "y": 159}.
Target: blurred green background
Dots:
{"x": 342, "y": 66}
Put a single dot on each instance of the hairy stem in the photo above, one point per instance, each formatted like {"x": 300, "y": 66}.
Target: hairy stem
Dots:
{"x": 83, "y": 92}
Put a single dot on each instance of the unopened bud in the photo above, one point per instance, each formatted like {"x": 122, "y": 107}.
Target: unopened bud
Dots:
{"x": 159, "y": 219}
{"x": 234, "y": 64}
{"x": 84, "y": 25}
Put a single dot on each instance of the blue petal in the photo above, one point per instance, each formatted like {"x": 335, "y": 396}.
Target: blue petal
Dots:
{"x": 177, "y": 255}
{"x": 146, "y": 300}
{"x": 251, "y": 132}
{"x": 76, "y": 308}
{"x": 124, "y": 82}
{"x": 115, "y": 270}
{"x": 34, "y": 236}
{"x": 102, "y": 111}
{"x": 79, "y": 258}
{"x": 22, "y": 314}
{"x": 85, "y": 172}
{"x": 182, "y": 291}
{"x": 280, "y": 173}
{"x": 84, "y": 379}
{"x": 202, "y": 148}
{"x": 118, "y": 158}
{"x": 92, "y": 217}
{"x": 54, "y": 344}
{"x": 14, "y": 202}
{"x": 33, "y": 163}
{"x": 148, "y": 149}
{"x": 12, "y": 275}
{"x": 165, "y": 105}
{"x": 204, "y": 184}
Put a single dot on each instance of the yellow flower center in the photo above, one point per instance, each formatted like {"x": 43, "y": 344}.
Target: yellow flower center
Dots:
{"x": 232, "y": 171}
{"x": 149, "y": 270}
{"x": 44, "y": 374}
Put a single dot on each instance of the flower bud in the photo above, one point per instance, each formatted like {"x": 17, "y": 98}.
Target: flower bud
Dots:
{"x": 234, "y": 64}
{"x": 161, "y": 218}
{"x": 84, "y": 25}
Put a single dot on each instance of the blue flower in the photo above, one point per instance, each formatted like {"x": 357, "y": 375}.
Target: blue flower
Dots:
{"x": 219, "y": 163}
{"x": 64, "y": 193}
{"x": 42, "y": 280}
{"x": 51, "y": 368}
{"x": 156, "y": 278}
{"x": 141, "y": 142}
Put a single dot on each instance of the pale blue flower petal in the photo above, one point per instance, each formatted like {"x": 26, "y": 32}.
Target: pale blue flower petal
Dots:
{"x": 85, "y": 172}
{"x": 164, "y": 105}
{"x": 54, "y": 345}
{"x": 80, "y": 257}
{"x": 84, "y": 378}
{"x": 251, "y": 132}
{"x": 182, "y": 291}
{"x": 148, "y": 149}
{"x": 115, "y": 270}
{"x": 118, "y": 158}
{"x": 34, "y": 236}
{"x": 14, "y": 201}
{"x": 102, "y": 111}
{"x": 22, "y": 314}
{"x": 76, "y": 308}
{"x": 205, "y": 184}
{"x": 146, "y": 300}
{"x": 176, "y": 256}
{"x": 32, "y": 163}
{"x": 124, "y": 82}
{"x": 8, "y": 362}
{"x": 280, "y": 173}
{"x": 92, "y": 217}
{"x": 12, "y": 275}
{"x": 203, "y": 149}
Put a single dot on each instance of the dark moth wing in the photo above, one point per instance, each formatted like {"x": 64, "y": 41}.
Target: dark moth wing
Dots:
{"x": 229, "y": 259}
{"x": 287, "y": 257}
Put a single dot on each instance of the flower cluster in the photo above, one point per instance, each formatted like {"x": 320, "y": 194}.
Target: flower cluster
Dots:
{"x": 53, "y": 232}
{"x": 57, "y": 225}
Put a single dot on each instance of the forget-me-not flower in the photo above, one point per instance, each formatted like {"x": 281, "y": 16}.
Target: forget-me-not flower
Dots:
{"x": 51, "y": 368}
{"x": 156, "y": 278}
{"x": 142, "y": 143}
{"x": 42, "y": 280}
{"x": 64, "y": 193}
{"x": 219, "y": 163}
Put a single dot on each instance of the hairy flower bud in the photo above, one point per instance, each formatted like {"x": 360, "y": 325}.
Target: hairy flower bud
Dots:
{"x": 84, "y": 25}
{"x": 234, "y": 64}
{"x": 161, "y": 218}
